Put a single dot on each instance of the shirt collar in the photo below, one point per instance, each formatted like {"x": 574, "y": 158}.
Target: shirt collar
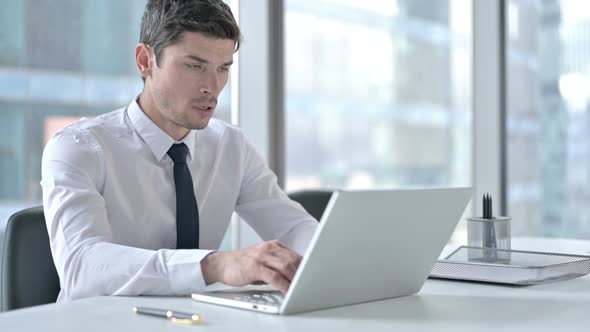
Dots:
{"x": 156, "y": 139}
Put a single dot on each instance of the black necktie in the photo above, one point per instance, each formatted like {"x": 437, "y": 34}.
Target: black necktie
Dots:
{"x": 187, "y": 212}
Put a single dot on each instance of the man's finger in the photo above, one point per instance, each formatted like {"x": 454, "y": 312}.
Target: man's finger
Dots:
{"x": 281, "y": 244}
{"x": 274, "y": 278}
{"x": 285, "y": 253}
{"x": 282, "y": 265}
{"x": 291, "y": 258}
{"x": 259, "y": 282}
{"x": 281, "y": 260}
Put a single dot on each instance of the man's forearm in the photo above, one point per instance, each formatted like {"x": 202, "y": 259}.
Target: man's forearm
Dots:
{"x": 129, "y": 271}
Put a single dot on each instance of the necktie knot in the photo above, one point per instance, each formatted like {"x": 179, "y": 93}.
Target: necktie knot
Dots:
{"x": 178, "y": 153}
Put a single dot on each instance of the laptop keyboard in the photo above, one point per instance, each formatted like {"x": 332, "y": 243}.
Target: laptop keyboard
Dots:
{"x": 268, "y": 298}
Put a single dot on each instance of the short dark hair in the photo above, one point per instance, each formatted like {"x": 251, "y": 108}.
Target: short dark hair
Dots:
{"x": 164, "y": 21}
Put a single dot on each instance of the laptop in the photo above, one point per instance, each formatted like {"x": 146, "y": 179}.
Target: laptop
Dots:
{"x": 369, "y": 245}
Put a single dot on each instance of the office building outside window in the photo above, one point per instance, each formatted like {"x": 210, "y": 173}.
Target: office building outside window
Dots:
{"x": 548, "y": 117}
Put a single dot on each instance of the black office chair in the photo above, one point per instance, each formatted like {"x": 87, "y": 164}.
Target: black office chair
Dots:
{"x": 28, "y": 275}
{"x": 313, "y": 201}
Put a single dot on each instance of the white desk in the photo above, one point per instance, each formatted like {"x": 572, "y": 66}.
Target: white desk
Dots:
{"x": 439, "y": 306}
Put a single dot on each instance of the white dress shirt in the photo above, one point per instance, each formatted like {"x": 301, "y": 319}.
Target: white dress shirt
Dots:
{"x": 110, "y": 204}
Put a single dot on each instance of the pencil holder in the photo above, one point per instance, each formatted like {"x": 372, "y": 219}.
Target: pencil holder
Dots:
{"x": 491, "y": 234}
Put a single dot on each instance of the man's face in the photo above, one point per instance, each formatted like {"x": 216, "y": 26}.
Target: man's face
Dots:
{"x": 189, "y": 78}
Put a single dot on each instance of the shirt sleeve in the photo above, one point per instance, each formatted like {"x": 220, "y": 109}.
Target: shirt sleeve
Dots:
{"x": 87, "y": 260}
{"x": 268, "y": 210}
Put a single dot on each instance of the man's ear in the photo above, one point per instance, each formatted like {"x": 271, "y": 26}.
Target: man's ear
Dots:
{"x": 143, "y": 56}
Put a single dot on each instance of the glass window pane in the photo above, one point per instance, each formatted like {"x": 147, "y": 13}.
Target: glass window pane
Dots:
{"x": 548, "y": 51}
{"x": 378, "y": 93}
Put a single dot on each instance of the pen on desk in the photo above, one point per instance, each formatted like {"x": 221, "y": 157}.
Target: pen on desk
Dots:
{"x": 174, "y": 316}
{"x": 489, "y": 231}
{"x": 484, "y": 204}
{"x": 490, "y": 208}
{"x": 487, "y": 212}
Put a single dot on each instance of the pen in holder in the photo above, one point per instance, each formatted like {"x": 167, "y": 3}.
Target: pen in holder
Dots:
{"x": 490, "y": 234}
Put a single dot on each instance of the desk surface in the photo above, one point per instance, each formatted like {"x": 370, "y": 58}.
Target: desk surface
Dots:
{"x": 440, "y": 305}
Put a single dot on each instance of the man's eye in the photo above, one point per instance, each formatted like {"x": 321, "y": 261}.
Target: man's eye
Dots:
{"x": 224, "y": 69}
{"x": 194, "y": 66}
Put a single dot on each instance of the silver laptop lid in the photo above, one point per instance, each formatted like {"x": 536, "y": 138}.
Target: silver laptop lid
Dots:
{"x": 373, "y": 245}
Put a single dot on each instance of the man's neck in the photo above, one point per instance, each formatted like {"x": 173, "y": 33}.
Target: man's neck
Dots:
{"x": 149, "y": 108}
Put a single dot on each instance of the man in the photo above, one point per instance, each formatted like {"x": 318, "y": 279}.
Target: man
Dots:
{"x": 137, "y": 200}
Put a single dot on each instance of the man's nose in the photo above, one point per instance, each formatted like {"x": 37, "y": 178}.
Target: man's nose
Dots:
{"x": 211, "y": 86}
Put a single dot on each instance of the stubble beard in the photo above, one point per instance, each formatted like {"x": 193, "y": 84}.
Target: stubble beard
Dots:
{"x": 184, "y": 122}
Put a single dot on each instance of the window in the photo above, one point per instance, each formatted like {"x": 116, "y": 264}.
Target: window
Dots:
{"x": 548, "y": 118}
{"x": 377, "y": 93}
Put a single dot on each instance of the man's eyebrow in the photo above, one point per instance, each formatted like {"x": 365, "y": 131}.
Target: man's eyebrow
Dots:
{"x": 199, "y": 59}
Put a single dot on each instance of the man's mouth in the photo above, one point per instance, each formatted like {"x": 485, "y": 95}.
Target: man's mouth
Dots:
{"x": 204, "y": 107}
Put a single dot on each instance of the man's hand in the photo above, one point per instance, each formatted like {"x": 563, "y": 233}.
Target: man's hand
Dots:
{"x": 270, "y": 263}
